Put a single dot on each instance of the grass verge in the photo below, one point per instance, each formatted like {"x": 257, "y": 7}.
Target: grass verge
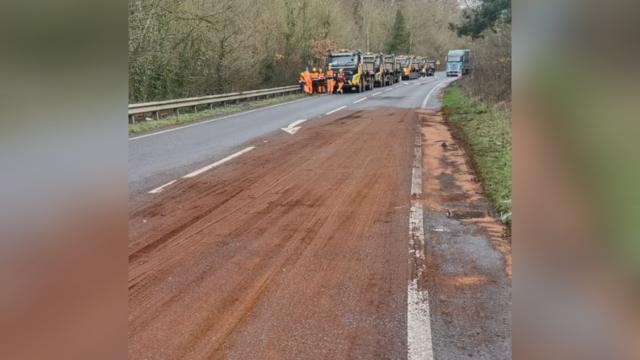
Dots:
{"x": 486, "y": 133}
{"x": 173, "y": 120}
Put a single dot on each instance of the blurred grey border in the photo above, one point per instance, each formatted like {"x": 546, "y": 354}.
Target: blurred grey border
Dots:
{"x": 63, "y": 154}
{"x": 63, "y": 187}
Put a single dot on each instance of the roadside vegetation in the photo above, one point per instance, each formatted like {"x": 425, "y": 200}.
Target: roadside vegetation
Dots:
{"x": 486, "y": 132}
{"x": 187, "y": 48}
{"x": 478, "y": 106}
{"x": 184, "y": 118}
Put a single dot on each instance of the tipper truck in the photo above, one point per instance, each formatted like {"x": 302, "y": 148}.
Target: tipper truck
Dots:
{"x": 409, "y": 70}
{"x": 351, "y": 62}
{"x": 380, "y": 79}
{"x": 391, "y": 70}
{"x": 370, "y": 70}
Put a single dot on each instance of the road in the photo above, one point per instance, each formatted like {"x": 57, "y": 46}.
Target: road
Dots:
{"x": 350, "y": 235}
{"x": 157, "y": 158}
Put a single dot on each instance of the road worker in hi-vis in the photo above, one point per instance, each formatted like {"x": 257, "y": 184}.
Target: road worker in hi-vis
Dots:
{"x": 315, "y": 76}
{"x": 340, "y": 80}
{"x": 308, "y": 83}
{"x": 322, "y": 81}
{"x": 330, "y": 80}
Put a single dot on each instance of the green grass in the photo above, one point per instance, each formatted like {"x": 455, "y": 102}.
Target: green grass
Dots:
{"x": 486, "y": 133}
{"x": 173, "y": 120}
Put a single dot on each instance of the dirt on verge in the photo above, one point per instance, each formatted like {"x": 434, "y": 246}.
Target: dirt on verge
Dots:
{"x": 296, "y": 250}
{"x": 468, "y": 255}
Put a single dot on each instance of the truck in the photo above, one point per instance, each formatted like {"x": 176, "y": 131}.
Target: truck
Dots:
{"x": 392, "y": 70}
{"x": 458, "y": 62}
{"x": 420, "y": 64}
{"x": 379, "y": 69}
{"x": 406, "y": 63}
{"x": 431, "y": 67}
{"x": 351, "y": 62}
{"x": 371, "y": 70}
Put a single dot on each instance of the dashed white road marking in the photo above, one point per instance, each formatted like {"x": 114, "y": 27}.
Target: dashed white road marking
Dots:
{"x": 160, "y": 188}
{"x": 419, "y": 339}
{"x": 218, "y": 163}
{"x": 376, "y": 94}
{"x": 336, "y": 110}
{"x": 293, "y": 127}
{"x": 360, "y": 100}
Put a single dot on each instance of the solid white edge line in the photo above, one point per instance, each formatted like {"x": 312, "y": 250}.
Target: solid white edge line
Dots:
{"x": 360, "y": 100}
{"x": 426, "y": 99}
{"x": 336, "y": 110}
{"x": 217, "y": 163}
{"x": 419, "y": 339}
{"x": 216, "y": 119}
{"x": 160, "y": 188}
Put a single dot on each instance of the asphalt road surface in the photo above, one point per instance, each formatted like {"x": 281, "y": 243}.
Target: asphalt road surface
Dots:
{"x": 351, "y": 234}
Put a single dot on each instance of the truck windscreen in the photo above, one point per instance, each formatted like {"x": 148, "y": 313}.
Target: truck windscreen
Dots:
{"x": 454, "y": 58}
{"x": 342, "y": 61}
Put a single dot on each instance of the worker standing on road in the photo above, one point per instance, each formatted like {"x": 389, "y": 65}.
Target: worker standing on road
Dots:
{"x": 301, "y": 82}
{"x": 315, "y": 81}
{"x": 321, "y": 81}
{"x": 308, "y": 82}
{"x": 340, "y": 79}
{"x": 330, "y": 80}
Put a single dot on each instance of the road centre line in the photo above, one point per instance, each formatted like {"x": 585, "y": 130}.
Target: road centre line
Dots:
{"x": 376, "y": 94}
{"x": 160, "y": 188}
{"x": 216, "y": 119}
{"x": 360, "y": 100}
{"x": 217, "y": 163}
{"x": 336, "y": 110}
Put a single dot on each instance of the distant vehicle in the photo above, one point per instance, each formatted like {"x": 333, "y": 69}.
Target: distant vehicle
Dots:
{"x": 392, "y": 70}
{"x": 420, "y": 65}
{"x": 431, "y": 67}
{"x": 458, "y": 62}
{"x": 370, "y": 67}
{"x": 408, "y": 70}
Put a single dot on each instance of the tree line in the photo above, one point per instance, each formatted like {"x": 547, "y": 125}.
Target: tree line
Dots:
{"x": 183, "y": 48}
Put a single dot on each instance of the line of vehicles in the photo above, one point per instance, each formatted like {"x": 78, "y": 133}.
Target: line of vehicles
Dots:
{"x": 365, "y": 71}
{"x": 360, "y": 71}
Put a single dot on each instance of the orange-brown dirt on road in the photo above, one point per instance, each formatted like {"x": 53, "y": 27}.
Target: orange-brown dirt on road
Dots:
{"x": 296, "y": 250}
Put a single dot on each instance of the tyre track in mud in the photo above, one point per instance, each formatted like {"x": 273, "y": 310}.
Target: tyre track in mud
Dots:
{"x": 295, "y": 250}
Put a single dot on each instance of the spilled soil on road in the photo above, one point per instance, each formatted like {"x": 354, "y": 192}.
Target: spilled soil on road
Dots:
{"x": 296, "y": 250}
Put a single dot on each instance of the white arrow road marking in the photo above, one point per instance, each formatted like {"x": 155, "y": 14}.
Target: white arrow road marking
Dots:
{"x": 218, "y": 163}
{"x": 160, "y": 188}
{"x": 360, "y": 100}
{"x": 293, "y": 127}
{"x": 336, "y": 110}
